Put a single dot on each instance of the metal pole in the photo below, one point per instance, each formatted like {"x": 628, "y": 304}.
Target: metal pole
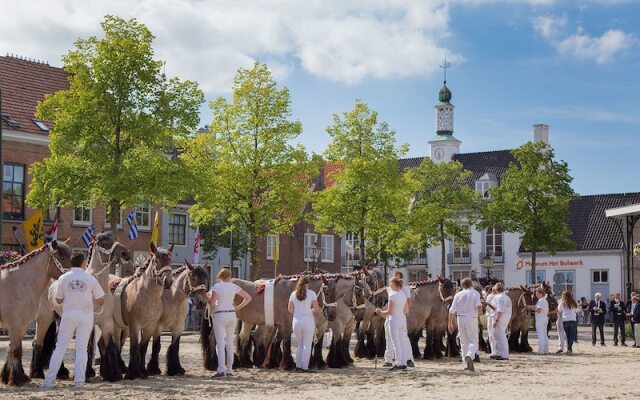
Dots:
{"x": 629, "y": 248}
{"x": 1, "y": 170}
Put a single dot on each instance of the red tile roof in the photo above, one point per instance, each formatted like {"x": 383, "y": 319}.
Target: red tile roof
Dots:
{"x": 24, "y": 83}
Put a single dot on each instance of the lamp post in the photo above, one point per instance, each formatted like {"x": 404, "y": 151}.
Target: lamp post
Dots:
{"x": 487, "y": 261}
{"x": 316, "y": 256}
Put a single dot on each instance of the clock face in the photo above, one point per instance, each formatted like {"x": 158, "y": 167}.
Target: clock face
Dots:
{"x": 439, "y": 153}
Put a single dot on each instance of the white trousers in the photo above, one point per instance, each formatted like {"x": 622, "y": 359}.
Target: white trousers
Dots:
{"x": 636, "y": 333}
{"x": 541, "y": 331}
{"x": 72, "y": 322}
{"x": 399, "y": 339}
{"x": 389, "y": 352}
{"x": 500, "y": 333}
{"x": 468, "y": 334}
{"x": 492, "y": 337}
{"x": 304, "y": 328}
{"x": 224, "y": 325}
{"x": 562, "y": 337}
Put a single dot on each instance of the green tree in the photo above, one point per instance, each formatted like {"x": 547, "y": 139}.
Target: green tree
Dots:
{"x": 364, "y": 196}
{"x": 216, "y": 235}
{"x": 533, "y": 198}
{"x": 115, "y": 125}
{"x": 442, "y": 196}
{"x": 247, "y": 169}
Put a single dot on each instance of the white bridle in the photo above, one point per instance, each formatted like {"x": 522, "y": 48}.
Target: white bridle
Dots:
{"x": 324, "y": 298}
{"x": 110, "y": 261}
{"x": 56, "y": 262}
{"x": 191, "y": 290}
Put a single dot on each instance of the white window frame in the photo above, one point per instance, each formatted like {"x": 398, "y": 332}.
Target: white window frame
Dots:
{"x": 327, "y": 244}
{"x": 539, "y": 274}
{"x": 459, "y": 251}
{"x": 107, "y": 219}
{"x": 309, "y": 245}
{"x": 565, "y": 285}
{"x": 82, "y": 222}
{"x": 139, "y": 220}
{"x": 186, "y": 230}
{"x": 271, "y": 246}
{"x": 492, "y": 250}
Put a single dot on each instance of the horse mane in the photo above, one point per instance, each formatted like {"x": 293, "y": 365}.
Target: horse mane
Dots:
{"x": 179, "y": 270}
{"x": 30, "y": 255}
{"x": 315, "y": 277}
{"x": 424, "y": 283}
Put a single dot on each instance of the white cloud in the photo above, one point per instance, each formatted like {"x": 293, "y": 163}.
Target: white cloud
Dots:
{"x": 549, "y": 26}
{"x": 207, "y": 41}
{"x": 601, "y": 49}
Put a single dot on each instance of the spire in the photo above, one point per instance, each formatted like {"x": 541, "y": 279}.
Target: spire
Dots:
{"x": 445, "y": 94}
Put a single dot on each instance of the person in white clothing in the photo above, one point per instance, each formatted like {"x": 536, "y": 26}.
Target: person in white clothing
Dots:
{"x": 541, "y": 308}
{"x": 77, "y": 291}
{"x": 389, "y": 353}
{"x": 490, "y": 313}
{"x": 396, "y": 309}
{"x": 562, "y": 337}
{"x": 224, "y": 318}
{"x": 303, "y": 304}
{"x": 501, "y": 322}
{"x": 464, "y": 310}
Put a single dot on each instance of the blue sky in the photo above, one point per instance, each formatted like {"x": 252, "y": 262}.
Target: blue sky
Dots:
{"x": 572, "y": 64}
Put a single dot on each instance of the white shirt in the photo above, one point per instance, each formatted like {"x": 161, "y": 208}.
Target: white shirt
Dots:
{"x": 503, "y": 305}
{"x": 302, "y": 309}
{"x": 226, "y": 292}
{"x": 568, "y": 314}
{"x": 399, "y": 299}
{"x": 466, "y": 303}
{"x": 490, "y": 312}
{"x": 78, "y": 288}
{"x": 543, "y": 306}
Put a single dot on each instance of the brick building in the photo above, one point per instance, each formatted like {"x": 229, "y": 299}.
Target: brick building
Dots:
{"x": 24, "y": 141}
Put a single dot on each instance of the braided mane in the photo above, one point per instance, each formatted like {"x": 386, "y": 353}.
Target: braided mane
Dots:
{"x": 23, "y": 259}
{"x": 424, "y": 283}
{"x": 315, "y": 277}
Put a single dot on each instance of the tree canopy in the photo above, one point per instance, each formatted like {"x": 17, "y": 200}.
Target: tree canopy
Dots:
{"x": 115, "y": 125}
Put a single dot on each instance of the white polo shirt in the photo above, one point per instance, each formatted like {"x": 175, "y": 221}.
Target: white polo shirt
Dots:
{"x": 466, "y": 303}
{"x": 543, "y": 306}
{"x": 78, "y": 288}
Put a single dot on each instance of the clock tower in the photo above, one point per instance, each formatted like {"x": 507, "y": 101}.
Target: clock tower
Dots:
{"x": 443, "y": 146}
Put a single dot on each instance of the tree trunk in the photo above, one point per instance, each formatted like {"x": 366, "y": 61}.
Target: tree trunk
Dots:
{"x": 253, "y": 247}
{"x": 362, "y": 249}
{"x": 533, "y": 265}
{"x": 443, "y": 253}
{"x": 113, "y": 220}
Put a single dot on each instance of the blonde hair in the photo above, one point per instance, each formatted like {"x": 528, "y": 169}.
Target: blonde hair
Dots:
{"x": 224, "y": 273}
{"x": 499, "y": 287}
{"x": 301, "y": 288}
{"x": 397, "y": 281}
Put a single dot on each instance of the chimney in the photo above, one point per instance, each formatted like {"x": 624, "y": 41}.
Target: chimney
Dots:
{"x": 541, "y": 133}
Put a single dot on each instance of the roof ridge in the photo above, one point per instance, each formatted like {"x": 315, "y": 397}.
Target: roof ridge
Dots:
{"x": 484, "y": 152}
{"x": 26, "y": 59}
{"x": 611, "y": 194}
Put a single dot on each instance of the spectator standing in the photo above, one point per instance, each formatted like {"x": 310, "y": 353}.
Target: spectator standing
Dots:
{"x": 616, "y": 308}
{"x": 597, "y": 309}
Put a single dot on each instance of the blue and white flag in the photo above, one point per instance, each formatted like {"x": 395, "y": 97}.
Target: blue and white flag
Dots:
{"x": 133, "y": 228}
{"x": 87, "y": 235}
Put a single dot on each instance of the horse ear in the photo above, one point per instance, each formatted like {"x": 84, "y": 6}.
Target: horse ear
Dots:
{"x": 206, "y": 266}
{"x": 153, "y": 247}
{"x": 522, "y": 288}
{"x": 188, "y": 264}
{"x": 324, "y": 279}
{"x": 54, "y": 245}
{"x": 170, "y": 248}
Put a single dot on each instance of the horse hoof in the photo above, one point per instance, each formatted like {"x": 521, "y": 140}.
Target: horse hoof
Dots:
{"x": 63, "y": 373}
{"x": 153, "y": 371}
{"x": 90, "y": 373}
{"x": 37, "y": 374}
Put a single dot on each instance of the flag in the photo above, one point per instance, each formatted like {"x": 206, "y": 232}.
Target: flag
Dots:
{"x": 87, "y": 235}
{"x": 276, "y": 249}
{"x": 133, "y": 228}
{"x": 52, "y": 233}
{"x": 33, "y": 231}
{"x": 155, "y": 230}
{"x": 196, "y": 247}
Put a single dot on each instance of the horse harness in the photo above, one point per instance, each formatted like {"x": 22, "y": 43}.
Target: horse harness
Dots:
{"x": 56, "y": 262}
{"x": 323, "y": 296}
{"x": 442, "y": 298}
{"x": 191, "y": 290}
{"x": 110, "y": 261}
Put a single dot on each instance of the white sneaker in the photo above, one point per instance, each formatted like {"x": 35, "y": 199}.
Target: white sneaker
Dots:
{"x": 47, "y": 385}
{"x": 78, "y": 385}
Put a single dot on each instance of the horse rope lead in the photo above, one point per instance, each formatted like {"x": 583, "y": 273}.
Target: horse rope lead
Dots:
{"x": 56, "y": 262}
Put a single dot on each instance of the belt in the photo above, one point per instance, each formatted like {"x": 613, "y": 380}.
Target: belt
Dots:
{"x": 464, "y": 316}
{"x": 218, "y": 312}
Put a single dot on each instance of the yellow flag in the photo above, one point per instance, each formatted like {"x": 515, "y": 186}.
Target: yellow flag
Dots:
{"x": 33, "y": 231}
{"x": 276, "y": 250}
{"x": 156, "y": 229}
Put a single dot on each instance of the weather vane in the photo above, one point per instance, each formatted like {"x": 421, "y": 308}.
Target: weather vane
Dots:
{"x": 445, "y": 66}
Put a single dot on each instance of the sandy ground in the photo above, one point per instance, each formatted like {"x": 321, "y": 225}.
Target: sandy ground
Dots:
{"x": 590, "y": 373}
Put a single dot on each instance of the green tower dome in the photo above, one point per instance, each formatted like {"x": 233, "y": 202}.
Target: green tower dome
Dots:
{"x": 445, "y": 94}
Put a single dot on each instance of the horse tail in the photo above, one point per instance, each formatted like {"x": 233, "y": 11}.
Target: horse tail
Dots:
{"x": 205, "y": 343}
{"x": 49, "y": 344}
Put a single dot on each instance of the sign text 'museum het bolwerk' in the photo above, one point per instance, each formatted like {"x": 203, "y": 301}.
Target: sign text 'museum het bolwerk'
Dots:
{"x": 522, "y": 263}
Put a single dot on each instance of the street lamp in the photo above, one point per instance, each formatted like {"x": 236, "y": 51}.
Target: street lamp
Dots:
{"x": 487, "y": 261}
{"x": 316, "y": 256}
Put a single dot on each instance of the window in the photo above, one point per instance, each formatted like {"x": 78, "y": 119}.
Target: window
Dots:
{"x": 40, "y": 124}
{"x": 327, "y": 248}
{"x": 541, "y": 276}
{"x": 494, "y": 242}
{"x": 178, "y": 229}
{"x": 310, "y": 240}
{"x": 601, "y": 276}
{"x": 460, "y": 275}
{"x": 461, "y": 250}
{"x": 486, "y": 182}
{"x": 271, "y": 246}
{"x": 235, "y": 269}
{"x": 352, "y": 253}
{"x": 107, "y": 218}
{"x": 13, "y": 192}
{"x": 82, "y": 216}
{"x": 50, "y": 214}
{"x": 564, "y": 280}
{"x": 143, "y": 216}
{"x": 10, "y": 121}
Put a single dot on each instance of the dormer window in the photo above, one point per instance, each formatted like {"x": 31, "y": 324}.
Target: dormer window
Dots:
{"x": 10, "y": 121}
{"x": 486, "y": 182}
{"x": 40, "y": 124}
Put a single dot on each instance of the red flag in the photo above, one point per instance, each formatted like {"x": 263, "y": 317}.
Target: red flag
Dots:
{"x": 52, "y": 233}
{"x": 196, "y": 247}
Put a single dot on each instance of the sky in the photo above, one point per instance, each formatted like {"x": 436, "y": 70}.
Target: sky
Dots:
{"x": 571, "y": 64}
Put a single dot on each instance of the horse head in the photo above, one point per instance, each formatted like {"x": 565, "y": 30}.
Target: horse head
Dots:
{"x": 161, "y": 269}
{"x": 197, "y": 281}
{"x": 329, "y": 296}
{"x": 60, "y": 256}
{"x": 446, "y": 290}
{"x": 358, "y": 299}
{"x": 115, "y": 249}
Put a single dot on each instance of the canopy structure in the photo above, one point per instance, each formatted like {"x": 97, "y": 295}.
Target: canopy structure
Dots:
{"x": 626, "y": 218}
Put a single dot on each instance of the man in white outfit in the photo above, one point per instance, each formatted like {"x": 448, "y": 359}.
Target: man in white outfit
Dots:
{"x": 77, "y": 290}
{"x": 465, "y": 309}
{"x": 490, "y": 314}
{"x": 389, "y": 353}
{"x": 501, "y": 323}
